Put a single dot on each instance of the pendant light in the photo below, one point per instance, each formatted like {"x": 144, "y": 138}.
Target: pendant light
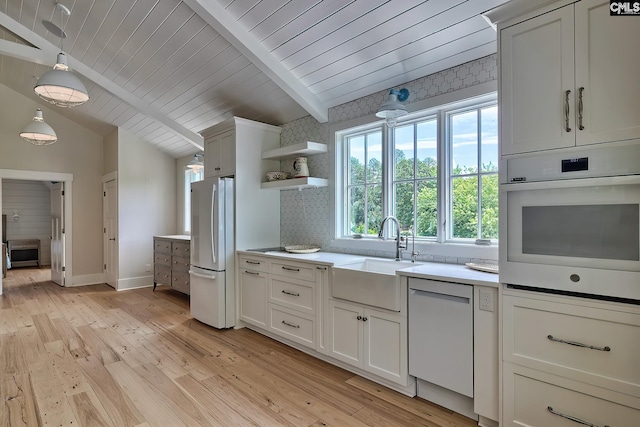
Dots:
{"x": 195, "y": 164}
{"x": 59, "y": 86}
{"x": 38, "y": 132}
{"x": 392, "y": 109}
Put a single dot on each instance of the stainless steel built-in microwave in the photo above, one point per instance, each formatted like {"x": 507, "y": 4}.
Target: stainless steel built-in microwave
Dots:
{"x": 578, "y": 234}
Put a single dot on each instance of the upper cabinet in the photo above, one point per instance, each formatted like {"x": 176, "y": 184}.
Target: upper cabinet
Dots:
{"x": 569, "y": 77}
{"x": 221, "y": 154}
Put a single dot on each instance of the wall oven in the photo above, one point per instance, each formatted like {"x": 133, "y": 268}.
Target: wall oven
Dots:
{"x": 573, "y": 223}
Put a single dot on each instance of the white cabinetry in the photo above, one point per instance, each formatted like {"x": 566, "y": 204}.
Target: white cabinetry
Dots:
{"x": 234, "y": 147}
{"x": 369, "y": 339}
{"x": 283, "y": 298}
{"x": 569, "y": 357}
{"x": 220, "y": 154}
{"x": 566, "y": 80}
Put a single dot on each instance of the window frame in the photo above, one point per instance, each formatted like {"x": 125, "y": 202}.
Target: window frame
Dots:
{"x": 444, "y": 158}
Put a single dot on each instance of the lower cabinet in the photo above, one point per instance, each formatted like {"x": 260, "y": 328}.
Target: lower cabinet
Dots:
{"x": 253, "y": 296}
{"x": 369, "y": 339}
{"x": 569, "y": 360}
{"x": 171, "y": 259}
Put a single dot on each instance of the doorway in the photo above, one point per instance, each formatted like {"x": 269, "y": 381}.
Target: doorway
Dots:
{"x": 64, "y": 242}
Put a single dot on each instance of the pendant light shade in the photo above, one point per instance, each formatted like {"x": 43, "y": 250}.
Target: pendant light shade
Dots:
{"x": 60, "y": 86}
{"x": 38, "y": 132}
{"x": 392, "y": 109}
{"x": 195, "y": 164}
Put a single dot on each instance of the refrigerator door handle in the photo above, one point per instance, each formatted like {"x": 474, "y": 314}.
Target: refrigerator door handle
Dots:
{"x": 202, "y": 276}
{"x": 212, "y": 213}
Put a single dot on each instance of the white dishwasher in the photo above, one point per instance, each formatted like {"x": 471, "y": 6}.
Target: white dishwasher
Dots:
{"x": 441, "y": 335}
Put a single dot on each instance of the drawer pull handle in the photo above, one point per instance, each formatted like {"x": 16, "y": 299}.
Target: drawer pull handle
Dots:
{"x": 284, "y": 267}
{"x": 578, "y": 344}
{"x": 294, "y": 294}
{"x": 252, "y": 272}
{"x": 284, "y": 322}
{"x": 569, "y": 417}
{"x": 252, "y": 262}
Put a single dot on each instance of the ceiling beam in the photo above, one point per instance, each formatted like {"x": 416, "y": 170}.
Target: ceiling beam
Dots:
{"x": 225, "y": 24}
{"x": 49, "y": 50}
{"x": 21, "y": 51}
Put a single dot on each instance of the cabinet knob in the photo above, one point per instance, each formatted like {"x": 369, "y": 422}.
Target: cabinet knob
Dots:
{"x": 364, "y": 319}
{"x": 359, "y": 317}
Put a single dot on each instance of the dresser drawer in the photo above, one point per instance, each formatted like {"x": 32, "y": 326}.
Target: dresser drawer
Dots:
{"x": 549, "y": 336}
{"x": 180, "y": 263}
{"x": 291, "y": 325}
{"x": 296, "y": 270}
{"x": 162, "y": 274}
{"x": 181, "y": 249}
{"x": 162, "y": 259}
{"x": 256, "y": 264}
{"x": 298, "y": 295}
{"x": 530, "y": 398}
{"x": 180, "y": 281}
{"x": 162, "y": 246}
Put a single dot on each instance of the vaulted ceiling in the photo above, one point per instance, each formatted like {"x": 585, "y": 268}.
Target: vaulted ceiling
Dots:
{"x": 166, "y": 70}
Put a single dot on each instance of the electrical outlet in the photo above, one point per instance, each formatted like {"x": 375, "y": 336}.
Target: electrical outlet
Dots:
{"x": 147, "y": 267}
{"x": 486, "y": 300}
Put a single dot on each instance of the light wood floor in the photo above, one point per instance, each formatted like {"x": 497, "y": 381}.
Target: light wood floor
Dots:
{"x": 90, "y": 356}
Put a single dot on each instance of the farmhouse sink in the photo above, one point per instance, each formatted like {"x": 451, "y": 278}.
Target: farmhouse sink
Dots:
{"x": 370, "y": 281}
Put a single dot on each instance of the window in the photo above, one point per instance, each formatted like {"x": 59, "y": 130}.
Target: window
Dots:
{"x": 436, "y": 172}
{"x": 190, "y": 176}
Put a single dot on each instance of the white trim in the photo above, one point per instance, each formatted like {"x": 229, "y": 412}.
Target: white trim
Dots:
{"x": 85, "y": 280}
{"x": 67, "y": 178}
{"x": 110, "y": 176}
{"x": 135, "y": 283}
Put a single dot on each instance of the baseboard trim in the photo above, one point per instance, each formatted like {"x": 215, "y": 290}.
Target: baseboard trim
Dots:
{"x": 84, "y": 280}
{"x": 135, "y": 283}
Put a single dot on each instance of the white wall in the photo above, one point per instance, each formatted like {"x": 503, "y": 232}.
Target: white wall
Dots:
{"x": 147, "y": 206}
{"x": 32, "y": 201}
{"x": 78, "y": 152}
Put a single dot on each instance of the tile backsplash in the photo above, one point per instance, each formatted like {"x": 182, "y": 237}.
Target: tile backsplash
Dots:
{"x": 305, "y": 215}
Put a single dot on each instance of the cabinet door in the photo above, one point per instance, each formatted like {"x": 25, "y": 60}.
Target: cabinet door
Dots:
{"x": 385, "y": 345}
{"x": 607, "y": 67}
{"x": 219, "y": 155}
{"x": 537, "y": 66}
{"x": 253, "y": 297}
{"x": 346, "y": 329}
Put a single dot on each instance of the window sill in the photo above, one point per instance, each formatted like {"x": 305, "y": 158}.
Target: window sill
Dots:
{"x": 456, "y": 253}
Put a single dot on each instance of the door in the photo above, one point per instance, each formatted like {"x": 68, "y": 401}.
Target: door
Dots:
{"x": 110, "y": 231}
{"x": 57, "y": 233}
{"x": 208, "y": 299}
{"x": 346, "y": 341}
{"x": 607, "y": 67}
{"x": 253, "y": 297}
{"x": 537, "y": 65}
{"x": 385, "y": 343}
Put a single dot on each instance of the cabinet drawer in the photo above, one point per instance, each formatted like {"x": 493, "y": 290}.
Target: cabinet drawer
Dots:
{"x": 299, "y": 271}
{"x": 162, "y": 274}
{"x": 162, "y": 246}
{"x": 180, "y": 281}
{"x": 530, "y": 397}
{"x": 545, "y": 335}
{"x": 180, "y": 263}
{"x": 297, "y": 295}
{"x": 293, "y": 326}
{"x": 256, "y": 264}
{"x": 162, "y": 259}
{"x": 181, "y": 249}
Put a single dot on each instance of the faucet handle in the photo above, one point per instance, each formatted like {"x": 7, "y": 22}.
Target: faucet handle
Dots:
{"x": 402, "y": 242}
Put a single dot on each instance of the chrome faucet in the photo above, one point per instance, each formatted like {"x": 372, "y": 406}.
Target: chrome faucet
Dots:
{"x": 399, "y": 244}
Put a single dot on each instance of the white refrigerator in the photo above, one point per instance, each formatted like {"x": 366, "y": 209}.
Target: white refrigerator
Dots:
{"x": 212, "y": 252}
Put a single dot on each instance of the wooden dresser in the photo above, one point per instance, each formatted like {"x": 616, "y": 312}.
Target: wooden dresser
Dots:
{"x": 171, "y": 258}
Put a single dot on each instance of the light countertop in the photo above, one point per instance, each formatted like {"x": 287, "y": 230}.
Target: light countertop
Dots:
{"x": 176, "y": 237}
{"x": 451, "y": 273}
{"x": 423, "y": 270}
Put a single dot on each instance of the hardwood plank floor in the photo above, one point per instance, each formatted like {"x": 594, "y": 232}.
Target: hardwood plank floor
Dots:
{"x": 91, "y": 356}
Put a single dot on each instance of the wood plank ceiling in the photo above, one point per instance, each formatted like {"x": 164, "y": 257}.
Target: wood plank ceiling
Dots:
{"x": 166, "y": 70}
